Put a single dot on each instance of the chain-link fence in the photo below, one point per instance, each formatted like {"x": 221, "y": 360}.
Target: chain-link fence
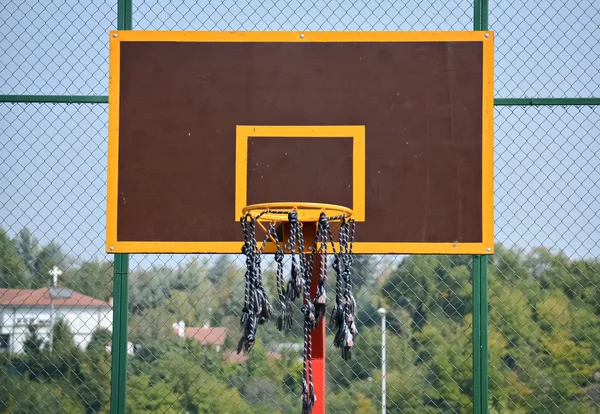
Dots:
{"x": 56, "y": 284}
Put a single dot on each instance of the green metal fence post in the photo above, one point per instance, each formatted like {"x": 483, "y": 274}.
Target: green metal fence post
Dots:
{"x": 483, "y": 261}
{"x": 119, "y": 338}
{"x": 124, "y": 14}
{"x": 121, "y": 285}
{"x": 480, "y": 335}
{"x": 476, "y": 271}
{"x": 480, "y": 304}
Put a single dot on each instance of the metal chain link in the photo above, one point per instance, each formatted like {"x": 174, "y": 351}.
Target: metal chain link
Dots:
{"x": 544, "y": 283}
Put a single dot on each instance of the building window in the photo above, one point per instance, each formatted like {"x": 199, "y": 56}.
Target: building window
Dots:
{"x": 4, "y": 341}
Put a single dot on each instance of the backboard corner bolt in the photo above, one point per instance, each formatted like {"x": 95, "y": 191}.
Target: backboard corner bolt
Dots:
{"x": 487, "y": 35}
{"x": 488, "y": 249}
{"x": 111, "y": 248}
{"x": 115, "y": 34}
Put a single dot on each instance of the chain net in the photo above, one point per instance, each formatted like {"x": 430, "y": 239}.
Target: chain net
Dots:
{"x": 56, "y": 284}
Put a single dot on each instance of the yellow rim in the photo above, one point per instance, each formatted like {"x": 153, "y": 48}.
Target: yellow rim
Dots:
{"x": 307, "y": 212}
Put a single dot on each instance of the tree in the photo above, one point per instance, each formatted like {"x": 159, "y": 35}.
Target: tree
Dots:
{"x": 39, "y": 260}
{"x": 509, "y": 265}
{"x": 92, "y": 278}
{"x": 188, "y": 277}
{"x": 347, "y": 401}
{"x": 197, "y": 390}
{"x": 226, "y": 278}
{"x": 101, "y": 338}
{"x": 27, "y": 247}
{"x": 148, "y": 288}
{"x": 364, "y": 269}
{"x": 47, "y": 397}
{"x": 204, "y": 302}
{"x": 429, "y": 284}
{"x": 94, "y": 388}
{"x": 180, "y": 306}
{"x": 13, "y": 271}
{"x": 512, "y": 314}
{"x": 443, "y": 350}
{"x": 61, "y": 361}
{"x": 221, "y": 271}
{"x": 411, "y": 287}
{"x": 151, "y": 324}
{"x": 34, "y": 342}
{"x": 47, "y": 258}
{"x": 146, "y": 395}
{"x": 454, "y": 290}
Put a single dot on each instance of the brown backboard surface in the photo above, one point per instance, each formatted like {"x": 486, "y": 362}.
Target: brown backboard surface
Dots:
{"x": 179, "y": 100}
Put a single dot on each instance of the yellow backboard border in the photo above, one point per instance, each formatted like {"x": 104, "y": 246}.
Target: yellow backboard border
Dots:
{"x": 246, "y": 132}
{"x": 113, "y": 245}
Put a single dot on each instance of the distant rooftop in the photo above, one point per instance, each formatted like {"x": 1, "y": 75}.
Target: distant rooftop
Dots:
{"x": 46, "y": 296}
{"x": 205, "y": 336}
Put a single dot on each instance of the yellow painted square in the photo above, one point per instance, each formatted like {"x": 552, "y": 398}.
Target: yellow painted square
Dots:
{"x": 356, "y": 132}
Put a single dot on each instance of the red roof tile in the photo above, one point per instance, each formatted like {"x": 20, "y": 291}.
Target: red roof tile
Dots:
{"x": 234, "y": 358}
{"x": 41, "y": 297}
{"x": 206, "y": 336}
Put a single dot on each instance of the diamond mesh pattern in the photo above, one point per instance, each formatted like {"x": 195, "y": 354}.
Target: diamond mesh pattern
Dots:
{"x": 547, "y": 164}
{"x": 546, "y": 48}
{"x": 544, "y": 280}
{"x": 296, "y": 15}
{"x": 53, "y": 336}
{"x": 55, "y": 47}
{"x": 544, "y": 289}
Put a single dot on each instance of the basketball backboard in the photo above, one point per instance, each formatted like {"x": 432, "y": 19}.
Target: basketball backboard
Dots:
{"x": 397, "y": 126}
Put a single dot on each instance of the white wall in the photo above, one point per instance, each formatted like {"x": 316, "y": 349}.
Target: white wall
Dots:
{"x": 82, "y": 322}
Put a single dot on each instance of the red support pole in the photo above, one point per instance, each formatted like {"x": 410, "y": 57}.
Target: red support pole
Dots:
{"x": 318, "y": 346}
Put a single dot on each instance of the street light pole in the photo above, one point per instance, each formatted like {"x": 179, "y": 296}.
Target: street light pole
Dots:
{"x": 382, "y": 312}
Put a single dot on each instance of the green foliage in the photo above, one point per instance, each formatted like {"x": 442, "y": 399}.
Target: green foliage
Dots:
{"x": 101, "y": 337}
{"x": 151, "y": 324}
{"x": 512, "y": 314}
{"x": 430, "y": 286}
{"x": 46, "y": 259}
{"x": 27, "y": 248}
{"x": 364, "y": 271}
{"x": 28, "y": 397}
{"x": 188, "y": 276}
{"x": 25, "y": 263}
{"x": 148, "y": 288}
{"x": 193, "y": 387}
{"x": 94, "y": 385}
{"x": 13, "y": 271}
{"x": 348, "y": 401}
{"x": 145, "y": 395}
{"x": 180, "y": 307}
{"x": 34, "y": 342}
{"x": 544, "y": 339}
{"x": 444, "y": 350}
{"x": 92, "y": 278}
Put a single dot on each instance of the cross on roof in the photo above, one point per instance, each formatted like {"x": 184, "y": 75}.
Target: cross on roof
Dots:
{"x": 55, "y": 273}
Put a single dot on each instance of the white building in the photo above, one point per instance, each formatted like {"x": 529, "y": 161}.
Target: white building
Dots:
{"x": 21, "y": 307}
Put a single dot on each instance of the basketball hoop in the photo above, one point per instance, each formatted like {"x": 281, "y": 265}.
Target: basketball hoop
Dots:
{"x": 307, "y": 212}
{"x": 293, "y": 219}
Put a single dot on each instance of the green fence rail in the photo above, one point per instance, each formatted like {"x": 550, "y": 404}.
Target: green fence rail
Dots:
{"x": 81, "y": 331}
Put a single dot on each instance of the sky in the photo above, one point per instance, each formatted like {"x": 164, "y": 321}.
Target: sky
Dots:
{"x": 547, "y": 159}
